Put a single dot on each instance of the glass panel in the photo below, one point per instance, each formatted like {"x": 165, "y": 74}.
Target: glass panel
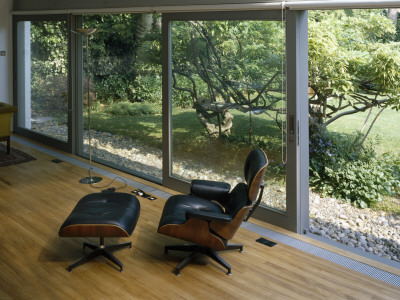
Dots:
{"x": 124, "y": 64}
{"x": 354, "y": 133}
{"x": 228, "y": 97}
{"x": 43, "y": 78}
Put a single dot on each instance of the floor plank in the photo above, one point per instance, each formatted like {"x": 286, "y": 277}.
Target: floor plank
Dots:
{"x": 35, "y": 199}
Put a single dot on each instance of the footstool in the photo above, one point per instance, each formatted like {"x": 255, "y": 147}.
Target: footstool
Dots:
{"x": 102, "y": 215}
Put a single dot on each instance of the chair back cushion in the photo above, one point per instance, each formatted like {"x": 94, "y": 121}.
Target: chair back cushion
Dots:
{"x": 237, "y": 200}
{"x": 238, "y": 207}
{"x": 254, "y": 169}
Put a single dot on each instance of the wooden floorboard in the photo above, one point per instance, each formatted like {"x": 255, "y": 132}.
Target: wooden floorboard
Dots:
{"x": 35, "y": 199}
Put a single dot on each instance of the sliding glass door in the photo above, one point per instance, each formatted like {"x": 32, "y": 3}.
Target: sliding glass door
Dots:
{"x": 226, "y": 86}
{"x": 42, "y": 82}
{"x": 119, "y": 92}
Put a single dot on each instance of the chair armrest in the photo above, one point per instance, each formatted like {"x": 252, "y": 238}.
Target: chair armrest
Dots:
{"x": 209, "y": 216}
{"x": 210, "y": 190}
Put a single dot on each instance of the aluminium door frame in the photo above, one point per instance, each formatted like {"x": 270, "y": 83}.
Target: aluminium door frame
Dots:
{"x": 296, "y": 216}
{"x": 297, "y": 139}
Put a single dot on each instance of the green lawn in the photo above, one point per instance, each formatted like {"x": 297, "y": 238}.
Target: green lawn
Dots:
{"x": 188, "y": 130}
{"x": 385, "y": 133}
{"x": 191, "y": 140}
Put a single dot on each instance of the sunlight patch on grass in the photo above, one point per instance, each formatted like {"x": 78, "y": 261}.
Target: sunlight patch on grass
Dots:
{"x": 385, "y": 133}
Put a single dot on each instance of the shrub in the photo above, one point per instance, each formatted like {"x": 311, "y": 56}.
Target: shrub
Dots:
{"x": 127, "y": 108}
{"x": 148, "y": 88}
{"x": 358, "y": 176}
{"x": 112, "y": 87}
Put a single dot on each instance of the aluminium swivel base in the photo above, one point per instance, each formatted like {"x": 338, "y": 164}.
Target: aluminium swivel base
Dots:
{"x": 198, "y": 250}
{"x": 103, "y": 250}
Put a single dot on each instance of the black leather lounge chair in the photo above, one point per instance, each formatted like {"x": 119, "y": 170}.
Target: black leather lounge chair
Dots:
{"x": 210, "y": 216}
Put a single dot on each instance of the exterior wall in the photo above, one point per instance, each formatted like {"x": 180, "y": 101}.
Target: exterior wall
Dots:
{"x": 6, "y": 45}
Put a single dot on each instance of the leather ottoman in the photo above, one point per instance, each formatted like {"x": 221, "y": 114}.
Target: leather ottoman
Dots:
{"x": 102, "y": 215}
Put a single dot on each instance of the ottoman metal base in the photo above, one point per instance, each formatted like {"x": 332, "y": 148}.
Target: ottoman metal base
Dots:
{"x": 103, "y": 250}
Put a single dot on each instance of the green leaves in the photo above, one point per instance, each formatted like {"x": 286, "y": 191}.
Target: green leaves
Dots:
{"x": 351, "y": 53}
{"x": 361, "y": 178}
{"x": 127, "y": 108}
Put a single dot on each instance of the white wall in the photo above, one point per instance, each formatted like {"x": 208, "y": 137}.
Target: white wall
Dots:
{"x": 6, "y": 45}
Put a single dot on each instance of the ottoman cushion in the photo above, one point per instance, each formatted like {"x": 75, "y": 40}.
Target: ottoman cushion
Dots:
{"x": 102, "y": 215}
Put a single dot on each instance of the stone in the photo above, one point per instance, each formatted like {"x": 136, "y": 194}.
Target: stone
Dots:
{"x": 351, "y": 223}
{"x": 351, "y": 244}
{"x": 351, "y": 235}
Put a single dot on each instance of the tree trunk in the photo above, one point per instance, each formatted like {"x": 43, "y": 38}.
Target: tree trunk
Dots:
{"x": 223, "y": 126}
{"x": 392, "y": 14}
{"x": 144, "y": 24}
{"x": 369, "y": 129}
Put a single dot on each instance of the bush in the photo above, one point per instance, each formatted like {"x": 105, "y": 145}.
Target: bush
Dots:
{"x": 113, "y": 87}
{"x": 127, "y": 108}
{"x": 358, "y": 176}
{"x": 148, "y": 88}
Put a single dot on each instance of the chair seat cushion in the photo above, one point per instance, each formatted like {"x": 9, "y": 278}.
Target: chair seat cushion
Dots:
{"x": 177, "y": 206}
{"x": 103, "y": 215}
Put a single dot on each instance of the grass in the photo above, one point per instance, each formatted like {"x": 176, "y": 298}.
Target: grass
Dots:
{"x": 190, "y": 140}
{"x": 388, "y": 204}
{"x": 385, "y": 133}
{"x": 188, "y": 134}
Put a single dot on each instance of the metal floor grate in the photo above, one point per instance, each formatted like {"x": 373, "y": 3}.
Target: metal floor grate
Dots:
{"x": 325, "y": 254}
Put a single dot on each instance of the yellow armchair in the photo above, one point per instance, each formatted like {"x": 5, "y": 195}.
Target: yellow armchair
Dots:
{"x": 6, "y": 113}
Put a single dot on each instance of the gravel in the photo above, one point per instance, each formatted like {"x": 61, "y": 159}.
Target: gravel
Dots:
{"x": 372, "y": 231}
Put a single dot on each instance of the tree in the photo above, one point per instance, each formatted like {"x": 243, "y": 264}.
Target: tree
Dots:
{"x": 114, "y": 54}
{"x": 49, "y": 59}
{"x": 353, "y": 63}
{"x": 225, "y": 65}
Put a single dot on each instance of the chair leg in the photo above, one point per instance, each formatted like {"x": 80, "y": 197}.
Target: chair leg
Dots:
{"x": 186, "y": 261}
{"x": 214, "y": 255}
{"x": 197, "y": 250}
{"x": 98, "y": 251}
{"x": 235, "y": 247}
{"x": 84, "y": 259}
{"x": 117, "y": 247}
{"x": 112, "y": 258}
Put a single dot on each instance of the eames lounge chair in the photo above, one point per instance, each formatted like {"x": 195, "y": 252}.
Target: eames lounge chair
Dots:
{"x": 210, "y": 216}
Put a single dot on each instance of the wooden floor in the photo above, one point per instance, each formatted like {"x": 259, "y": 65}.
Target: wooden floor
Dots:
{"x": 35, "y": 199}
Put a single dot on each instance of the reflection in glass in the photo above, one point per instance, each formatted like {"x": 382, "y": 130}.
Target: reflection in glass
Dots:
{"x": 43, "y": 77}
{"x": 125, "y": 92}
{"x": 228, "y": 97}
